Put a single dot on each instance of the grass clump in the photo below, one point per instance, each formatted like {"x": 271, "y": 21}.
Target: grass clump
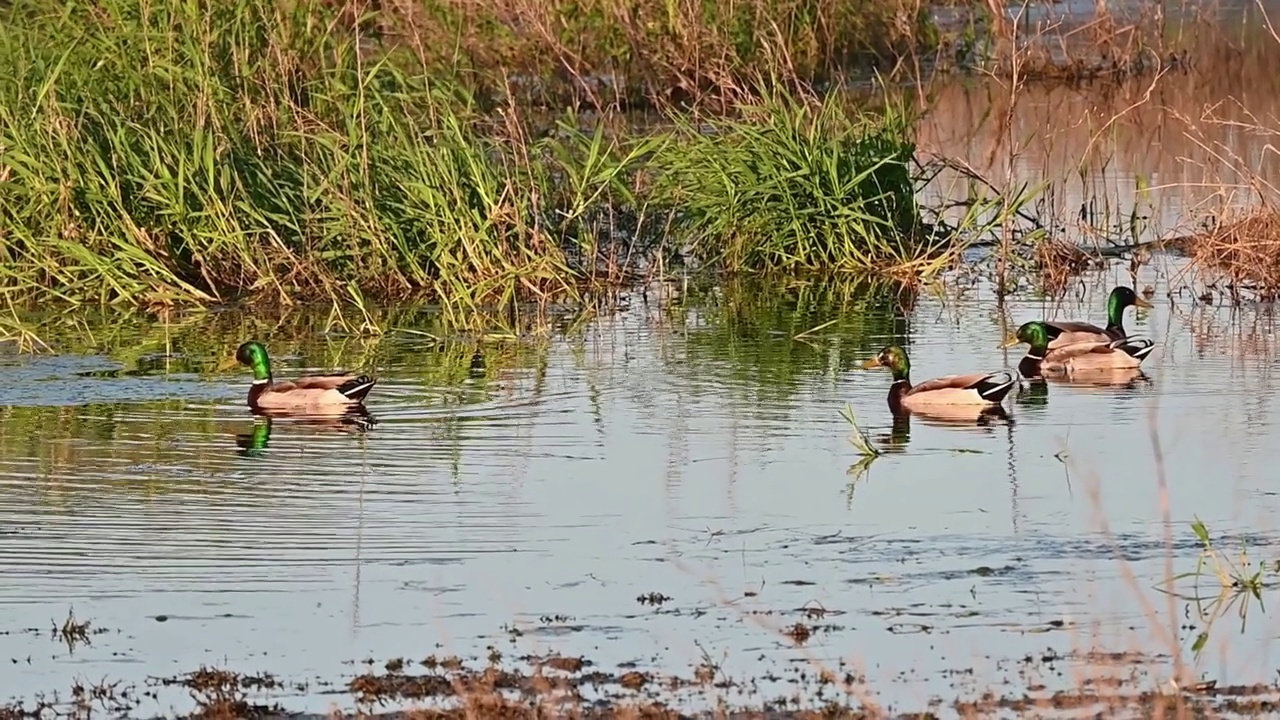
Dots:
{"x": 797, "y": 185}
{"x": 857, "y": 437}
{"x": 1242, "y": 254}
{"x": 172, "y": 151}
{"x": 1239, "y": 582}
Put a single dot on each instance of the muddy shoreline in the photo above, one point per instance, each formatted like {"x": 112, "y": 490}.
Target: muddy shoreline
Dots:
{"x": 562, "y": 686}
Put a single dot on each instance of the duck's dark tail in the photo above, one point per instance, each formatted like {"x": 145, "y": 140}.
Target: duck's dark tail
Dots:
{"x": 995, "y": 386}
{"x": 356, "y": 388}
{"x": 1137, "y": 348}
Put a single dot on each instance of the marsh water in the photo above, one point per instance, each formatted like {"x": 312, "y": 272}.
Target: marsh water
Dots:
{"x": 694, "y": 449}
{"x": 524, "y": 490}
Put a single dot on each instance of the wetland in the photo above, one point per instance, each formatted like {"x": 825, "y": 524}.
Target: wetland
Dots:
{"x": 643, "y": 477}
{"x": 665, "y": 502}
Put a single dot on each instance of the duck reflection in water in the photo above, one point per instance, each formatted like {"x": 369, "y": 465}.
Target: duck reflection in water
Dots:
{"x": 254, "y": 442}
{"x": 1032, "y": 394}
{"x": 1126, "y": 379}
{"x": 900, "y": 432}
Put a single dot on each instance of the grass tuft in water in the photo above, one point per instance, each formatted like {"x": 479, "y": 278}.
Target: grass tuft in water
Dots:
{"x": 1240, "y": 254}
{"x": 1240, "y": 582}
{"x": 857, "y": 437}
{"x": 799, "y": 184}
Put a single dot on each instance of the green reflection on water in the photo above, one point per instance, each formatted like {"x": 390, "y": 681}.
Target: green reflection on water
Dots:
{"x": 750, "y": 335}
{"x": 751, "y": 339}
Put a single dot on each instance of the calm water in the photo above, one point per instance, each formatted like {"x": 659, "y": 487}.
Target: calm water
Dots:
{"x": 696, "y": 451}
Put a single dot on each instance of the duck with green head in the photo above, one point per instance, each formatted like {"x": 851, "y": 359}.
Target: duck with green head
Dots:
{"x": 972, "y": 389}
{"x": 1068, "y": 332}
{"x": 1042, "y": 356}
{"x": 312, "y": 394}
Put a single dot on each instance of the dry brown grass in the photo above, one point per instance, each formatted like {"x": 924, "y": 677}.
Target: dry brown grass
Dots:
{"x": 1058, "y": 262}
{"x": 1240, "y": 256}
{"x": 620, "y": 52}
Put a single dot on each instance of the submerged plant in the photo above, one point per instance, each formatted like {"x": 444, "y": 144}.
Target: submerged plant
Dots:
{"x": 1239, "y": 581}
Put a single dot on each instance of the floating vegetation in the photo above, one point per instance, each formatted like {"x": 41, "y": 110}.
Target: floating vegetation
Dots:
{"x": 1239, "y": 581}
{"x": 72, "y": 632}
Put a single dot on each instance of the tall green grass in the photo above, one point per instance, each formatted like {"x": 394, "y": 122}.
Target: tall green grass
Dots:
{"x": 799, "y": 183}
{"x": 182, "y": 152}
{"x": 792, "y": 184}
{"x": 179, "y": 150}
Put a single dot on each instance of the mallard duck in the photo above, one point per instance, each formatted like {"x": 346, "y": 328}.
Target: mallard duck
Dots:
{"x": 317, "y": 393}
{"x": 1067, "y": 332}
{"x": 974, "y": 389}
{"x": 1042, "y": 357}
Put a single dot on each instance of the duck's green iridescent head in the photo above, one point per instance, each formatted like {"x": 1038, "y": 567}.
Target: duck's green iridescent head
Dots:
{"x": 1033, "y": 333}
{"x": 892, "y": 357}
{"x": 254, "y": 355}
{"x": 1120, "y": 298}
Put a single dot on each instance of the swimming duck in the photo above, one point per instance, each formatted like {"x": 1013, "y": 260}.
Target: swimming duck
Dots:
{"x": 973, "y": 389}
{"x": 1066, "y": 332}
{"x": 1042, "y": 357}
{"x": 317, "y": 393}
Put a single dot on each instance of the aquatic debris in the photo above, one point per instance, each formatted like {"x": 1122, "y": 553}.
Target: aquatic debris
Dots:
{"x": 564, "y": 664}
{"x": 1059, "y": 261}
{"x": 653, "y": 598}
{"x": 633, "y": 680}
{"x": 220, "y": 693}
{"x": 450, "y": 678}
{"x": 799, "y": 633}
{"x": 1238, "y": 256}
{"x": 814, "y": 610}
{"x": 72, "y": 631}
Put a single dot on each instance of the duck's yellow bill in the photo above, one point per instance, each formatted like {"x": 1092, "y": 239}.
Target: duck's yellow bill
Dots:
{"x": 1010, "y": 342}
{"x": 227, "y": 363}
{"x": 1142, "y": 303}
{"x": 872, "y": 363}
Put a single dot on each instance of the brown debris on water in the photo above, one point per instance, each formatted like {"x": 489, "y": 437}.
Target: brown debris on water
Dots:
{"x": 1247, "y": 701}
{"x": 563, "y": 664}
{"x": 220, "y": 694}
{"x": 552, "y": 682}
{"x": 1059, "y": 261}
{"x": 72, "y": 632}
{"x": 1241, "y": 255}
{"x": 799, "y": 633}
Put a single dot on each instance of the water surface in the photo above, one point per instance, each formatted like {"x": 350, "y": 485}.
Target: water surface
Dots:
{"x": 694, "y": 449}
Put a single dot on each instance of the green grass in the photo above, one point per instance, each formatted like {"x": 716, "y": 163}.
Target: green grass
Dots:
{"x": 172, "y": 153}
{"x": 656, "y": 51}
{"x": 792, "y": 185}
{"x": 175, "y": 153}
{"x": 1233, "y": 584}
